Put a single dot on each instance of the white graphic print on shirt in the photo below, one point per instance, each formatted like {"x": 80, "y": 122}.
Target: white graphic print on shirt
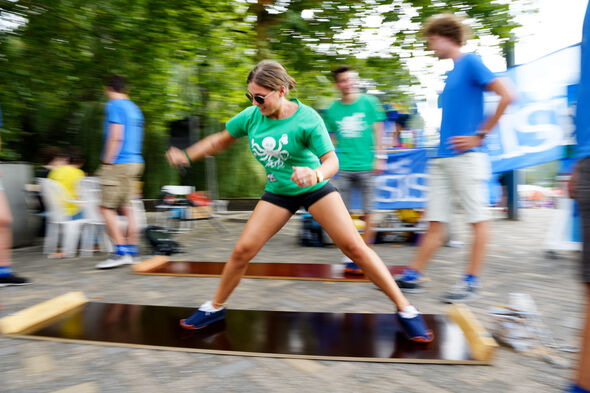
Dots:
{"x": 352, "y": 126}
{"x": 268, "y": 155}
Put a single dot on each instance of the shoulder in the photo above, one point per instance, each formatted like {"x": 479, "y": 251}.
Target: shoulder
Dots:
{"x": 334, "y": 105}
{"x": 371, "y": 99}
{"x": 307, "y": 111}
{"x": 250, "y": 111}
{"x": 473, "y": 59}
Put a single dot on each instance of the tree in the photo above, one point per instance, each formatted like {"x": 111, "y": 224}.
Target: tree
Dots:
{"x": 191, "y": 58}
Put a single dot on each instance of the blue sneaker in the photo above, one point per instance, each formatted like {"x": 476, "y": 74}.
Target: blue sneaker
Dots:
{"x": 415, "y": 329}
{"x": 201, "y": 318}
{"x": 465, "y": 290}
{"x": 576, "y": 389}
{"x": 350, "y": 267}
{"x": 410, "y": 281}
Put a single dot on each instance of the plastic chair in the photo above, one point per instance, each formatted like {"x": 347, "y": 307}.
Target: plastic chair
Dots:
{"x": 58, "y": 221}
{"x": 89, "y": 191}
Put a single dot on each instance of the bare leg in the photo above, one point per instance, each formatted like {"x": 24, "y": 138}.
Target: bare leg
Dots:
{"x": 112, "y": 224}
{"x": 132, "y": 229}
{"x": 430, "y": 243}
{"x": 330, "y": 212}
{"x": 266, "y": 220}
{"x": 5, "y": 232}
{"x": 480, "y": 240}
{"x": 369, "y": 234}
{"x": 583, "y": 376}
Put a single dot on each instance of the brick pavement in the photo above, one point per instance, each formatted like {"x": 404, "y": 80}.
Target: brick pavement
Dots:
{"x": 516, "y": 262}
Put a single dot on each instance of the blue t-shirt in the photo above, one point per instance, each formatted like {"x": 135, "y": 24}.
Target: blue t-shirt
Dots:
{"x": 125, "y": 112}
{"x": 583, "y": 108}
{"x": 462, "y": 101}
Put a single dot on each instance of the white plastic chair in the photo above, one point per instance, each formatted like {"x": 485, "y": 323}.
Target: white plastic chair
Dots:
{"x": 57, "y": 221}
{"x": 89, "y": 191}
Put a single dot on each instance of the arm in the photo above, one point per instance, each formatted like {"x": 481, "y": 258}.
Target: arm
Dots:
{"x": 501, "y": 88}
{"x": 113, "y": 142}
{"x": 378, "y": 129}
{"x": 305, "y": 177}
{"x": 206, "y": 147}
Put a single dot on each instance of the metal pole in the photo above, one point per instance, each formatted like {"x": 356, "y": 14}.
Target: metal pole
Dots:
{"x": 511, "y": 177}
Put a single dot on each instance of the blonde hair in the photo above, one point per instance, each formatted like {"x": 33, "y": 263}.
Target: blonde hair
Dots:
{"x": 271, "y": 75}
{"x": 447, "y": 25}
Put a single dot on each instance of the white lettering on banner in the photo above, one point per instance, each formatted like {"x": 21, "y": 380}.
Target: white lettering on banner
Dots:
{"x": 547, "y": 133}
{"x": 400, "y": 166}
{"x": 398, "y": 188}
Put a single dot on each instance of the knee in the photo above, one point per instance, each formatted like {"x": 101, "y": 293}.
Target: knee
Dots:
{"x": 354, "y": 249}
{"x": 242, "y": 254}
{"x": 6, "y": 221}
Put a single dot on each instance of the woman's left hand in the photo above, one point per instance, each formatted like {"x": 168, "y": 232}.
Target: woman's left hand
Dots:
{"x": 303, "y": 176}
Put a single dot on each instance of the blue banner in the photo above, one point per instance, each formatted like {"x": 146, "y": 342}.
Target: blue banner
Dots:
{"x": 403, "y": 183}
{"x": 537, "y": 126}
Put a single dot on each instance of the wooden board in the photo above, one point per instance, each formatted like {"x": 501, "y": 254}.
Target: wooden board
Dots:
{"x": 160, "y": 265}
{"x": 309, "y": 335}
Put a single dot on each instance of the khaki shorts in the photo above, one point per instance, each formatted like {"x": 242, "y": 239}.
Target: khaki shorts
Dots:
{"x": 465, "y": 177}
{"x": 117, "y": 183}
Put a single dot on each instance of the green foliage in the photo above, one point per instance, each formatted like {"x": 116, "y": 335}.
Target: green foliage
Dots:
{"x": 188, "y": 58}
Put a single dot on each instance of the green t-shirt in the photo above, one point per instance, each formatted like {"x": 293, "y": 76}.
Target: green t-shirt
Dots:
{"x": 279, "y": 145}
{"x": 352, "y": 125}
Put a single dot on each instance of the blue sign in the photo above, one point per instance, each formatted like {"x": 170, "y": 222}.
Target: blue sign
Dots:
{"x": 537, "y": 126}
{"x": 403, "y": 183}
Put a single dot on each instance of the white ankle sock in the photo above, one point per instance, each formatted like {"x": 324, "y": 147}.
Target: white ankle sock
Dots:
{"x": 208, "y": 307}
{"x": 409, "y": 312}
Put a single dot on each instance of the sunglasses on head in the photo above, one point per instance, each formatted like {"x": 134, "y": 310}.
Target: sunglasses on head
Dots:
{"x": 259, "y": 99}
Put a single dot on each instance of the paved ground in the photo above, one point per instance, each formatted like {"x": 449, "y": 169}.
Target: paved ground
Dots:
{"x": 516, "y": 262}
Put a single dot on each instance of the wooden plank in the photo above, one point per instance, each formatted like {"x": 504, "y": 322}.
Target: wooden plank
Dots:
{"x": 299, "y": 335}
{"x": 481, "y": 342}
{"x": 285, "y": 271}
{"x": 151, "y": 264}
{"x": 41, "y": 313}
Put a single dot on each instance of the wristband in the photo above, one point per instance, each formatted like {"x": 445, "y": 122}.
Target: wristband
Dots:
{"x": 480, "y": 133}
{"x": 319, "y": 176}
{"x": 188, "y": 157}
{"x": 381, "y": 156}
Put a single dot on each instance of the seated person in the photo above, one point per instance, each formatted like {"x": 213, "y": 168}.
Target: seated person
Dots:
{"x": 69, "y": 175}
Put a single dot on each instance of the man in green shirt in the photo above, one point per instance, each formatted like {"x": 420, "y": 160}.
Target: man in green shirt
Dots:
{"x": 356, "y": 124}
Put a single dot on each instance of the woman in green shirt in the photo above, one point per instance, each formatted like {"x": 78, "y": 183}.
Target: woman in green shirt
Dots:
{"x": 291, "y": 141}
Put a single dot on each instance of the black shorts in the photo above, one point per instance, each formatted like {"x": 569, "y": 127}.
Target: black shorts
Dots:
{"x": 294, "y": 202}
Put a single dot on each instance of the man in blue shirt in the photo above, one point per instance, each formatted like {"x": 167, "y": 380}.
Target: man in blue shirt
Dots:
{"x": 122, "y": 165}
{"x": 461, "y": 167}
{"x": 580, "y": 190}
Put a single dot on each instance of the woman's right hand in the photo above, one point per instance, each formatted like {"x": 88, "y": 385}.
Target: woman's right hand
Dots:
{"x": 176, "y": 157}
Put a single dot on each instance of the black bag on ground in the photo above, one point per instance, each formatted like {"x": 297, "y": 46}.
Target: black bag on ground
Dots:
{"x": 160, "y": 241}
{"x": 311, "y": 232}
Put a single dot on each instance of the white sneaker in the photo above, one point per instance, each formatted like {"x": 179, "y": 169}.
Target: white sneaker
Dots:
{"x": 115, "y": 260}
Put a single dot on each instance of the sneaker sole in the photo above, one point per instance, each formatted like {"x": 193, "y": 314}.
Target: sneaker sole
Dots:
{"x": 192, "y": 327}
{"x": 15, "y": 285}
{"x": 354, "y": 272}
{"x": 465, "y": 299}
{"x": 403, "y": 287}
{"x": 111, "y": 266}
